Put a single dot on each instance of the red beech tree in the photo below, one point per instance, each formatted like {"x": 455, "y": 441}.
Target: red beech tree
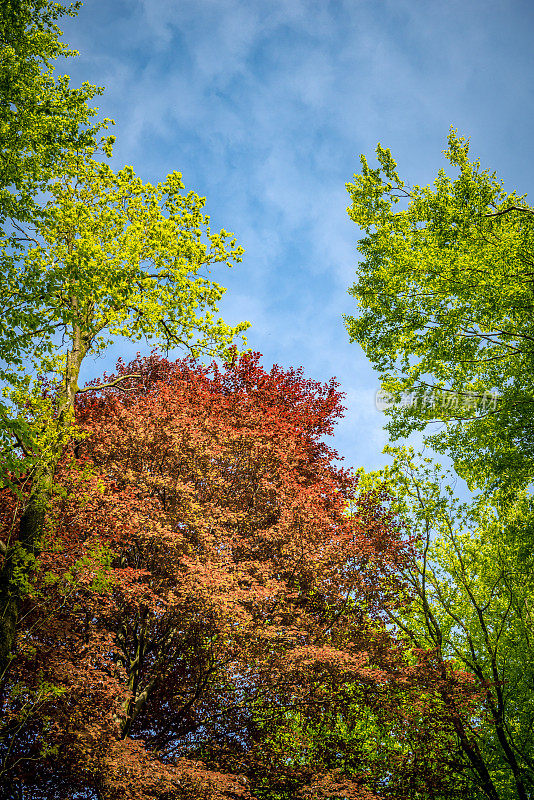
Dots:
{"x": 210, "y": 577}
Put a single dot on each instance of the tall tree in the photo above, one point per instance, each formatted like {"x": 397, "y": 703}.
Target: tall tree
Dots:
{"x": 109, "y": 256}
{"x": 203, "y": 582}
{"x": 472, "y": 596}
{"x": 42, "y": 119}
{"x": 445, "y": 297}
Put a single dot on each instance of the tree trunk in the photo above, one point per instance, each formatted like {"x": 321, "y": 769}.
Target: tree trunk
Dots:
{"x": 18, "y": 561}
{"x": 20, "y": 557}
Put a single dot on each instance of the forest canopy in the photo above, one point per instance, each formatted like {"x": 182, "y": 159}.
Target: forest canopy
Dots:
{"x": 197, "y": 601}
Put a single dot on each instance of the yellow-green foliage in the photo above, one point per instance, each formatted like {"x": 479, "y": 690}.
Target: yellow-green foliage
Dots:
{"x": 445, "y": 300}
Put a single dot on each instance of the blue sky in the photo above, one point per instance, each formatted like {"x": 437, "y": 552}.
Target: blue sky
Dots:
{"x": 265, "y": 106}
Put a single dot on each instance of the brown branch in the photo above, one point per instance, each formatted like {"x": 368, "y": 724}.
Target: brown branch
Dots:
{"x": 20, "y": 444}
{"x": 511, "y": 208}
{"x": 111, "y": 384}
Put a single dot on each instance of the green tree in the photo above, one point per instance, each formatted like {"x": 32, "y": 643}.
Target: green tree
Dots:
{"x": 41, "y": 116}
{"x": 471, "y": 593}
{"x": 42, "y": 120}
{"x": 109, "y": 256}
{"x": 445, "y": 293}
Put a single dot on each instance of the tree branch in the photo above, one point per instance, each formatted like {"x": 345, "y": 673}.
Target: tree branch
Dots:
{"x": 111, "y": 384}
{"x": 511, "y": 208}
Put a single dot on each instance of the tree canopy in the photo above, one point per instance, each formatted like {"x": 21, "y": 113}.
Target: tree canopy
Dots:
{"x": 41, "y": 117}
{"x": 445, "y": 297}
{"x": 110, "y": 256}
